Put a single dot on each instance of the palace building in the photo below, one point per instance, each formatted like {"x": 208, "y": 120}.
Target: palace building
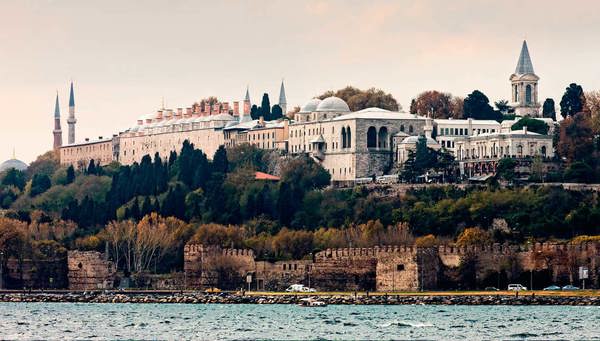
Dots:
{"x": 350, "y": 145}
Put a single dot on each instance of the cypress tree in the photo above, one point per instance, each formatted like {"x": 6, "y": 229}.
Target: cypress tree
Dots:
{"x": 265, "y": 107}
{"x": 70, "y": 174}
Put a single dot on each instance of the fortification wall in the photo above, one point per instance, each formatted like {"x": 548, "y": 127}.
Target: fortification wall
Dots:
{"x": 88, "y": 270}
{"x": 212, "y": 266}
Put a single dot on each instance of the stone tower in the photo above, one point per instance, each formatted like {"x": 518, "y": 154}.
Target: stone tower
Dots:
{"x": 282, "y": 100}
{"x": 71, "y": 120}
{"x": 57, "y": 132}
{"x": 524, "y": 84}
{"x": 247, "y": 103}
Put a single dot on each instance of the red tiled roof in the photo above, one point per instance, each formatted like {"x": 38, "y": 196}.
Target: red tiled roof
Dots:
{"x": 265, "y": 176}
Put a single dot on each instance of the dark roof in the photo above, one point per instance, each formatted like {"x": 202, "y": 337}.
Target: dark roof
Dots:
{"x": 524, "y": 64}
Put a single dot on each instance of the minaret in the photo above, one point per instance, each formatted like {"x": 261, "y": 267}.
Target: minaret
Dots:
{"x": 524, "y": 82}
{"x": 282, "y": 101}
{"x": 71, "y": 120}
{"x": 247, "y": 104}
{"x": 57, "y": 131}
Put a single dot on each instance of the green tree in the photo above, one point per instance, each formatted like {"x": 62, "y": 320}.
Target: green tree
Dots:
{"x": 549, "y": 109}
{"x": 276, "y": 112}
{"x": 503, "y": 107}
{"x": 254, "y": 112}
{"x": 573, "y": 100}
{"x": 576, "y": 139}
{"x": 70, "y": 174}
{"x": 91, "y": 170}
{"x": 14, "y": 177}
{"x": 506, "y": 169}
{"x": 220, "y": 163}
{"x": 265, "y": 107}
{"x": 477, "y": 106}
{"x": 533, "y": 125}
{"x": 361, "y": 99}
{"x": 39, "y": 184}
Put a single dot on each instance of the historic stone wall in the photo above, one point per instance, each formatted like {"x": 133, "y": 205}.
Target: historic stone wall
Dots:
{"x": 388, "y": 268}
{"x": 36, "y": 274}
{"x": 88, "y": 270}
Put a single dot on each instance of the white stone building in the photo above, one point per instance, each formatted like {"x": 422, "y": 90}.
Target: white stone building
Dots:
{"x": 350, "y": 145}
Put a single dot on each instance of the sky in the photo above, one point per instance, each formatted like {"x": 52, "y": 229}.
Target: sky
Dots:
{"x": 126, "y": 56}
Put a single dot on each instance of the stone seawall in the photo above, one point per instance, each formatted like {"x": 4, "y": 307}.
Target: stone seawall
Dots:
{"x": 226, "y": 298}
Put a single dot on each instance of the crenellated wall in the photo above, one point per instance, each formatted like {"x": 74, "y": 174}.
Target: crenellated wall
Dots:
{"x": 88, "y": 270}
{"x": 386, "y": 268}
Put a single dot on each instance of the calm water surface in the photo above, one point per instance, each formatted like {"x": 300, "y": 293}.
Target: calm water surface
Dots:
{"x": 221, "y": 321}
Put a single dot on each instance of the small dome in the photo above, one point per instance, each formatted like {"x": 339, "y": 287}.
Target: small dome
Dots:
{"x": 13, "y": 163}
{"x": 414, "y": 139}
{"x": 333, "y": 104}
{"x": 310, "y": 106}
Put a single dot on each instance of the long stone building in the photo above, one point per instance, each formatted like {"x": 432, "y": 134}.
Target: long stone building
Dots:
{"x": 352, "y": 146}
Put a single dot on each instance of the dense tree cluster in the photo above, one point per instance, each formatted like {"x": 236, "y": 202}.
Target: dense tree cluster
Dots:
{"x": 361, "y": 99}
{"x": 437, "y": 104}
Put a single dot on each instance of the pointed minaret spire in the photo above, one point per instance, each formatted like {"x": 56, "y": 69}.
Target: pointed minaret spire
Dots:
{"x": 524, "y": 65}
{"x": 247, "y": 104}
{"x": 282, "y": 100}
{"x": 71, "y": 120}
{"x": 247, "y": 98}
{"x": 57, "y": 132}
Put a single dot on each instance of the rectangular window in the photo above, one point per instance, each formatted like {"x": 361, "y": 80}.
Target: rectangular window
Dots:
{"x": 400, "y": 267}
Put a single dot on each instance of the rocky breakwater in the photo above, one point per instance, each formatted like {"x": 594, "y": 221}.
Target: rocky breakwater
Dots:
{"x": 227, "y": 298}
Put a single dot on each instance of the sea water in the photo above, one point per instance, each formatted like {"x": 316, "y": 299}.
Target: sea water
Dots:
{"x": 65, "y": 321}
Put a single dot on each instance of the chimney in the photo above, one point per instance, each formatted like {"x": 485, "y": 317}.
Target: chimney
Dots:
{"x": 470, "y": 120}
{"x": 226, "y": 107}
{"x": 87, "y": 139}
{"x": 236, "y": 108}
{"x": 525, "y": 130}
{"x": 159, "y": 115}
{"x": 99, "y": 137}
{"x": 180, "y": 112}
{"x": 246, "y": 107}
{"x": 215, "y": 108}
{"x": 206, "y": 108}
{"x": 261, "y": 121}
{"x": 188, "y": 112}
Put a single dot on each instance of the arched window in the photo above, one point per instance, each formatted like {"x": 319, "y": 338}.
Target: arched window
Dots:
{"x": 410, "y": 129}
{"x": 382, "y": 138}
{"x": 528, "y": 94}
{"x": 371, "y": 137}
{"x": 519, "y": 150}
{"x": 343, "y": 137}
{"x": 516, "y": 93}
{"x": 402, "y": 127}
{"x": 348, "y": 137}
{"x": 543, "y": 150}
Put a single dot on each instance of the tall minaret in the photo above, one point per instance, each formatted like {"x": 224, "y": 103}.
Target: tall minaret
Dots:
{"x": 71, "y": 120}
{"x": 282, "y": 101}
{"x": 247, "y": 102}
{"x": 524, "y": 82}
{"x": 57, "y": 130}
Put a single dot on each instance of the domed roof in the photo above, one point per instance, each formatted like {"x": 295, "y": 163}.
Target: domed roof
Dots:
{"x": 334, "y": 104}
{"x": 310, "y": 106}
{"x": 13, "y": 163}
{"x": 414, "y": 139}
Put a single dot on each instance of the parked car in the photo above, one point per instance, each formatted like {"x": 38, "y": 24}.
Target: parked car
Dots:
{"x": 492, "y": 289}
{"x": 299, "y": 288}
{"x": 552, "y": 288}
{"x": 516, "y": 287}
{"x": 570, "y": 287}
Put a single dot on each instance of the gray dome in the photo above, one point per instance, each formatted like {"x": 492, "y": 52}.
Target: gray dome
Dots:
{"x": 310, "y": 106}
{"x": 414, "y": 139}
{"x": 13, "y": 163}
{"x": 334, "y": 104}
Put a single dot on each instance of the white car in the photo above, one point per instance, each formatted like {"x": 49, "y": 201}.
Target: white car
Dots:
{"x": 299, "y": 288}
{"x": 516, "y": 287}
